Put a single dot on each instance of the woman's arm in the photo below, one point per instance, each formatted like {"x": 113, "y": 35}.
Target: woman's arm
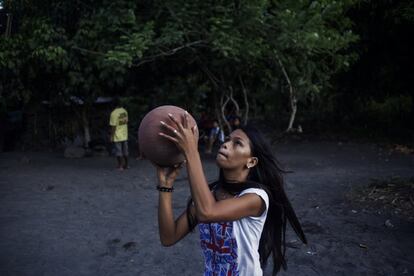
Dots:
{"x": 170, "y": 230}
{"x": 206, "y": 207}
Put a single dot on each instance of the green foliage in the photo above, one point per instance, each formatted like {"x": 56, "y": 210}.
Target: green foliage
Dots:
{"x": 390, "y": 110}
{"x": 311, "y": 40}
{"x": 185, "y": 52}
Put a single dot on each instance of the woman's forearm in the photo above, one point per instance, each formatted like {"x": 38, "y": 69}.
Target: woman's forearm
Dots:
{"x": 166, "y": 219}
{"x": 203, "y": 199}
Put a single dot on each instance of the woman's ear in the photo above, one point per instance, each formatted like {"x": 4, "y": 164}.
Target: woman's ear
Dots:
{"x": 252, "y": 162}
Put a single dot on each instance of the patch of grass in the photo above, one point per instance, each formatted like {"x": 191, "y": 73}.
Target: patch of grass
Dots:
{"x": 395, "y": 194}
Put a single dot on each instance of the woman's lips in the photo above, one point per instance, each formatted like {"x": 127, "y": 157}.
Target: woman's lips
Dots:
{"x": 222, "y": 154}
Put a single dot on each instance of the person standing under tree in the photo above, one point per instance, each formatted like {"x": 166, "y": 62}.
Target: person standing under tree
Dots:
{"x": 215, "y": 135}
{"x": 119, "y": 133}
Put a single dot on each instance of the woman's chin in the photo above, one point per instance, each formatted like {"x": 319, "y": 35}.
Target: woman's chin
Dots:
{"x": 220, "y": 161}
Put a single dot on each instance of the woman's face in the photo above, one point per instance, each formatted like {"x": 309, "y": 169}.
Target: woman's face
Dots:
{"x": 235, "y": 152}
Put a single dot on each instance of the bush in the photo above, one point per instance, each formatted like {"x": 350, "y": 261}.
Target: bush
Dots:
{"x": 393, "y": 110}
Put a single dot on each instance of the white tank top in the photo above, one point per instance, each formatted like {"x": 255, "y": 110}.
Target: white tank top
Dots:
{"x": 231, "y": 248}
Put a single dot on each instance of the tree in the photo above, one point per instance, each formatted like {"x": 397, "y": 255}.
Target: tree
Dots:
{"x": 222, "y": 54}
{"x": 309, "y": 46}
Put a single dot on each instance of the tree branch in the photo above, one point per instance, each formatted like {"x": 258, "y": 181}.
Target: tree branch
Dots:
{"x": 149, "y": 58}
{"x": 167, "y": 53}
{"x": 246, "y": 100}
{"x": 234, "y": 101}
{"x": 293, "y": 99}
{"x": 88, "y": 51}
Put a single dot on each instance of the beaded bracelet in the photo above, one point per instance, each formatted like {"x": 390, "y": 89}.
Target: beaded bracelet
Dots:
{"x": 165, "y": 189}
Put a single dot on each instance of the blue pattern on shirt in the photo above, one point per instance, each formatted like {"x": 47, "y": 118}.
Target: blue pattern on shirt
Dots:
{"x": 219, "y": 248}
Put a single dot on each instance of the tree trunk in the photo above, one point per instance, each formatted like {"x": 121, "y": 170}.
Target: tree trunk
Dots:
{"x": 223, "y": 104}
{"x": 293, "y": 107}
{"x": 86, "y": 129}
{"x": 246, "y": 101}
{"x": 217, "y": 109}
{"x": 292, "y": 97}
{"x": 236, "y": 104}
{"x": 9, "y": 23}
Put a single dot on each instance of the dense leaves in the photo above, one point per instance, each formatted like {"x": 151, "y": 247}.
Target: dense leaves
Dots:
{"x": 193, "y": 53}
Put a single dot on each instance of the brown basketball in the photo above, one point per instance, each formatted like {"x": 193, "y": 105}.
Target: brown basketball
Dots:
{"x": 154, "y": 147}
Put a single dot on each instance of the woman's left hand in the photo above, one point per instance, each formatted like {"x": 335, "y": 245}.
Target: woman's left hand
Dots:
{"x": 181, "y": 134}
{"x": 167, "y": 175}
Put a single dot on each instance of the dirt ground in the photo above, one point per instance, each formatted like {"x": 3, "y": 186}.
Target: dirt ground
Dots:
{"x": 82, "y": 217}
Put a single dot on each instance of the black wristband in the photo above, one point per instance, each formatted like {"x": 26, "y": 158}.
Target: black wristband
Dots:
{"x": 165, "y": 189}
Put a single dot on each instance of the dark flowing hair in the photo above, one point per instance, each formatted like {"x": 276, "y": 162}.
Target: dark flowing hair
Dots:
{"x": 267, "y": 174}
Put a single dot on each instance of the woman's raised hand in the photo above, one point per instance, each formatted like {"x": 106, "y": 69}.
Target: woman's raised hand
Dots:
{"x": 181, "y": 134}
{"x": 167, "y": 175}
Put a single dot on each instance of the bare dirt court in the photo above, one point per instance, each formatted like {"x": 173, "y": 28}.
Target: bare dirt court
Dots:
{"x": 82, "y": 217}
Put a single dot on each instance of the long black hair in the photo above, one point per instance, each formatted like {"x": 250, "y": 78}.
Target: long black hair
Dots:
{"x": 268, "y": 175}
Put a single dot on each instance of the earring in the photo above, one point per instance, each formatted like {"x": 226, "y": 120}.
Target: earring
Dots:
{"x": 248, "y": 166}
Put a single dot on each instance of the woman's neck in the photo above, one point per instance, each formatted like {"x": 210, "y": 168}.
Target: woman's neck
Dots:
{"x": 235, "y": 176}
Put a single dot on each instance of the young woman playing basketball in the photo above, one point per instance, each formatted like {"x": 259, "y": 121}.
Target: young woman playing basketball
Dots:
{"x": 242, "y": 217}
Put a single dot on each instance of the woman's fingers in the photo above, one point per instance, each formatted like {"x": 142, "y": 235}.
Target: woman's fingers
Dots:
{"x": 182, "y": 163}
{"x": 181, "y": 133}
{"x": 173, "y": 130}
{"x": 169, "y": 137}
{"x": 176, "y": 122}
{"x": 185, "y": 120}
{"x": 161, "y": 174}
{"x": 172, "y": 174}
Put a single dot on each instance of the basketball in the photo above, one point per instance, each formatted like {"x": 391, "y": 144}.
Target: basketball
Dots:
{"x": 156, "y": 148}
